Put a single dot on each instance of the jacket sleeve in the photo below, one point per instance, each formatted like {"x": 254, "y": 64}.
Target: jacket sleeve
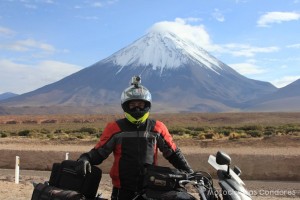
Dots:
{"x": 105, "y": 145}
{"x": 178, "y": 160}
{"x": 169, "y": 149}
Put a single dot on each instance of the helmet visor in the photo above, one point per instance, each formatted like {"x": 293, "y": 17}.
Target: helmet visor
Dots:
{"x": 136, "y": 93}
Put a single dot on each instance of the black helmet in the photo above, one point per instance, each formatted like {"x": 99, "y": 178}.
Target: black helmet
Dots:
{"x": 136, "y": 92}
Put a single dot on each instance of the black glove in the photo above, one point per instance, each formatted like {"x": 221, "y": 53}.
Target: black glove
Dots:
{"x": 187, "y": 170}
{"x": 84, "y": 166}
{"x": 190, "y": 171}
{"x": 178, "y": 161}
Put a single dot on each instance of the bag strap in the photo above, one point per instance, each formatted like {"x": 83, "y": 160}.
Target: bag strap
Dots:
{"x": 43, "y": 188}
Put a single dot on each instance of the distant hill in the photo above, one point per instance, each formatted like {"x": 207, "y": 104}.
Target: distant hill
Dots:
{"x": 285, "y": 99}
{"x": 7, "y": 95}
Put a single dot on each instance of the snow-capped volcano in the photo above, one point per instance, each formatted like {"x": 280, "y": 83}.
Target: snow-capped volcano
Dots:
{"x": 180, "y": 74}
{"x": 163, "y": 50}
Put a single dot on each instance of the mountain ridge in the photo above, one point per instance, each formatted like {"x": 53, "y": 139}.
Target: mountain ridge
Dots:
{"x": 7, "y": 95}
{"x": 284, "y": 99}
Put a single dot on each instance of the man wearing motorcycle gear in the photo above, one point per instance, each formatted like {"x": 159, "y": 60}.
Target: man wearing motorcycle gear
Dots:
{"x": 134, "y": 141}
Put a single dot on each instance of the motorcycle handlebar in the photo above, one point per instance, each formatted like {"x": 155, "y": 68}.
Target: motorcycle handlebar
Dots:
{"x": 182, "y": 183}
{"x": 197, "y": 184}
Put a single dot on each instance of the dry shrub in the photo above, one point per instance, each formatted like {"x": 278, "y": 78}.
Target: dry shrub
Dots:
{"x": 84, "y": 120}
{"x": 12, "y": 122}
{"x": 183, "y": 136}
{"x": 218, "y": 136}
{"x": 49, "y": 121}
{"x": 255, "y": 133}
{"x": 30, "y": 121}
{"x": 24, "y": 133}
{"x": 3, "y": 134}
{"x": 90, "y": 130}
{"x": 201, "y": 136}
{"x": 234, "y": 136}
{"x": 209, "y": 135}
{"x": 77, "y": 120}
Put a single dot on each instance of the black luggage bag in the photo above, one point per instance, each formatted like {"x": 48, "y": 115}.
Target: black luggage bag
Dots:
{"x": 163, "y": 178}
{"x": 163, "y": 183}
{"x": 44, "y": 191}
{"x": 64, "y": 176}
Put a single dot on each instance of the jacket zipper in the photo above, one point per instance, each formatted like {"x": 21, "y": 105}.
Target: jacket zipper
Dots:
{"x": 138, "y": 154}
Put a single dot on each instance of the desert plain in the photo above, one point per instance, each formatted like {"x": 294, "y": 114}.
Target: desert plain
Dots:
{"x": 270, "y": 164}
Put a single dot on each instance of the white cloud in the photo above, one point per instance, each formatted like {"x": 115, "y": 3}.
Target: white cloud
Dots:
{"x": 218, "y": 15}
{"x": 245, "y": 49}
{"x": 284, "y": 81}
{"x": 198, "y": 35}
{"x": 31, "y": 6}
{"x": 48, "y": 1}
{"x": 297, "y": 46}
{"x": 77, "y": 7}
{"x": 28, "y": 45}
{"x": 20, "y": 78}
{"x": 97, "y": 4}
{"x": 31, "y": 48}
{"x": 194, "y": 33}
{"x": 24, "y": 45}
{"x": 277, "y": 17}
{"x": 188, "y": 20}
{"x": 247, "y": 68}
{"x": 35, "y": 4}
{"x": 112, "y": 1}
{"x": 283, "y": 67}
{"x": 240, "y": 1}
{"x": 6, "y": 31}
{"x": 88, "y": 17}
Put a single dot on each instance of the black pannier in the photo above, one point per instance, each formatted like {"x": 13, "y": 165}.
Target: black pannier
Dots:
{"x": 64, "y": 176}
{"x": 163, "y": 178}
{"x": 163, "y": 183}
{"x": 44, "y": 191}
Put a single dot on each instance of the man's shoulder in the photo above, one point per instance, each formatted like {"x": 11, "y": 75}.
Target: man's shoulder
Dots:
{"x": 158, "y": 125}
{"x": 151, "y": 120}
{"x": 155, "y": 121}
{"x": 113, "y": 126}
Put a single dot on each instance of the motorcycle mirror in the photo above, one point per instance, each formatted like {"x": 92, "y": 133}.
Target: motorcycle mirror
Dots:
{"x": 237, "y": 170}
{"x": 223, "y": 158}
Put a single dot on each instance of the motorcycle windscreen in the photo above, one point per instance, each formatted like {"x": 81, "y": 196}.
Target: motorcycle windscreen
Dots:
{"x": 214, "y": 164}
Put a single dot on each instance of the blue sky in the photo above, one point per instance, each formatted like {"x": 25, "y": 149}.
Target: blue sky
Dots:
{"x": 42, "y": 41}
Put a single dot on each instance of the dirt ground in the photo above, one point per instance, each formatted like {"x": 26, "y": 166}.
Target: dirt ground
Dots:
{"x": 270, "y": 166}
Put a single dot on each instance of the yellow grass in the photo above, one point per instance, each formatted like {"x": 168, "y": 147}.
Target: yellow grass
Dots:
{"x": 198, "y": 125}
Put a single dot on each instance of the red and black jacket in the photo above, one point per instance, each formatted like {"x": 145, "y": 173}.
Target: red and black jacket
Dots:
{"x": 133, "y": 147}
